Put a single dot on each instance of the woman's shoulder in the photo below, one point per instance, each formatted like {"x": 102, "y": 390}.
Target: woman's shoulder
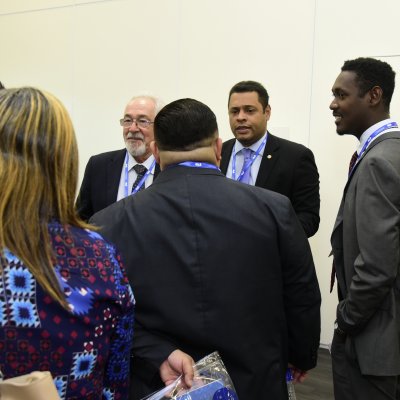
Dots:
{"x": 73, "y": 235}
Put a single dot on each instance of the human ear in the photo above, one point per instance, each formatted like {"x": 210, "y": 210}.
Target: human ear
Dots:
{"x": 375, "y": 95}
{"x": 155, "y": 151}
{"x": 268, "y": 112}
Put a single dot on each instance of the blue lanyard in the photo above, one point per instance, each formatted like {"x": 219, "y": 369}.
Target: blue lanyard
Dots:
{"x": 249, "y": 163}
{"x": 141, "y": 182}
{"x": 196, "y": 164}
{"x": 372, "y": 136}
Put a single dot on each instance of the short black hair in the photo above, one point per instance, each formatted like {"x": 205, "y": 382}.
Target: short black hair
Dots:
{"x": 251, "y": 86}
{"x": 183, "y": 125}
{"x": 372, "y": 72}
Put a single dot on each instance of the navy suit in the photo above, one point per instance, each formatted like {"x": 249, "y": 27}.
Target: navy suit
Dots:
{"x": 290, "y": 170}
{"x": 217, "y": 265}
{"x": 100, "y": 182}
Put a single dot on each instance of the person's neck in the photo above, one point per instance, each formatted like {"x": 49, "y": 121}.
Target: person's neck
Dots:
{"x": 203, "y": 154}
{"x": 141, "y": 159}
{"x": 374, "y": 119}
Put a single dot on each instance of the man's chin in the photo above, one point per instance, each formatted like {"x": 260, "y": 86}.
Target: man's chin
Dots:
{"x": 244, "y": 139}
{"x": 343, "y": 132}
{"x": 136, "y": 151}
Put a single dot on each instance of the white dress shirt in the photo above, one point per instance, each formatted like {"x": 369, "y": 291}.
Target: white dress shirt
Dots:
{"x": 132, "y": 175}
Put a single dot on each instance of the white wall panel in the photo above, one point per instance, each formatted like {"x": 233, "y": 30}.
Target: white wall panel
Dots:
{"x": 96, "y": 54}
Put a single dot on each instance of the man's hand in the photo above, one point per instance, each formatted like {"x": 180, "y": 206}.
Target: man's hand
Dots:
{"x": 299, "y": 376}
{"x": 178, "y": 363}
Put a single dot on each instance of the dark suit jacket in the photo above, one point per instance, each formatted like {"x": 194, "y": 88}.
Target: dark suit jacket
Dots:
{"x": 218, "y": 265}
{"x": 100, "y": 182}
{"x": 290, "y": 171}
{"x": 365, "y": 243}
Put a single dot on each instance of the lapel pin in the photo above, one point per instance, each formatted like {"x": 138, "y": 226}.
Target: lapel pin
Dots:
{"x": 269, "y": 156}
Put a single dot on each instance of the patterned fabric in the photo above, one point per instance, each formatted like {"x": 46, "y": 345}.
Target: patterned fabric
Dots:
{"x": 87, "y": 349}
{"x": 140, "y": 171}
{"x": 247, "y": 153}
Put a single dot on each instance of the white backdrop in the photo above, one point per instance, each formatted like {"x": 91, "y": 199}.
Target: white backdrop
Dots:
{"x": 95, "y": 55}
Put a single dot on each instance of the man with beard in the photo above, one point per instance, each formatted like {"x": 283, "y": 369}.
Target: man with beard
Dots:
{"x": 366, "y": 236}
{"x": 111, "y": 176}
{"x": 194, "y": 244}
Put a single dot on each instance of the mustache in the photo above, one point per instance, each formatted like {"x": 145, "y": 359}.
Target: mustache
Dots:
{"x": 242, "y": 126}
{"x": 136, "y": 135}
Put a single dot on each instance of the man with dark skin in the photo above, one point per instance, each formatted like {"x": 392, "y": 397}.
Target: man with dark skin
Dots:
{"x": 366, "y": 239}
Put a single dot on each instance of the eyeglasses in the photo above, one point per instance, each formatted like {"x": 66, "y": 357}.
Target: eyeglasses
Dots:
{"x": 140, "y": 122}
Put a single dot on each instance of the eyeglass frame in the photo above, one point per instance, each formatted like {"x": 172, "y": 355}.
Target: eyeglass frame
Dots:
{"x": 140, "y": 122}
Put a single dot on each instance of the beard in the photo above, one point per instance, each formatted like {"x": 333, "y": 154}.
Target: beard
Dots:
{"x": 135, "y": 149}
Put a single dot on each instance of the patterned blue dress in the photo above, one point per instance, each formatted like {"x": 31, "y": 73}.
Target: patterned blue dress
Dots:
{"x": 87, "y": 349}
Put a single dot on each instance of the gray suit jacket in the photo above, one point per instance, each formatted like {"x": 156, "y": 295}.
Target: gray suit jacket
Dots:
{"x": 366, "y": 248}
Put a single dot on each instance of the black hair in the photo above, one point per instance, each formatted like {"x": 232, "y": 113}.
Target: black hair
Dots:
{"x": 251, "y": 86}
{"x": 372, "y": 72}
{"x": 184, "y": 124}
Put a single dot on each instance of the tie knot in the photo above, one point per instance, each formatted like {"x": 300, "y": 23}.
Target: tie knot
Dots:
{"x": 140, "y": 169}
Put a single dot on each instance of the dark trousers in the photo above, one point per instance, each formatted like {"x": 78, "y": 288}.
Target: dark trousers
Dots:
{"x": 144, "y": 379}
{"x": 350, "y": 384}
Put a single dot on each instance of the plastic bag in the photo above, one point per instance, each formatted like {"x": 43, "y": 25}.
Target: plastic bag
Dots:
{"x": 211, "y": 382}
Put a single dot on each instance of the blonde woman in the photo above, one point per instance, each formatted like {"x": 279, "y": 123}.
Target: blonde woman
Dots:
{"x": 65, "y": 303}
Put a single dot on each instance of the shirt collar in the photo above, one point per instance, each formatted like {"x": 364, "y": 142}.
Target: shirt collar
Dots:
{"x": 364, "y": 137}
{"x": 132, "y": 162}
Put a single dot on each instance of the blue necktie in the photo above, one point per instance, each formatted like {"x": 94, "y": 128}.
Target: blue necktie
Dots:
{"x": 247, "y": 157}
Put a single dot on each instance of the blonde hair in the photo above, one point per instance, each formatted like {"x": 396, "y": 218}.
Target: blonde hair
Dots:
{"x": 38, "y": 179}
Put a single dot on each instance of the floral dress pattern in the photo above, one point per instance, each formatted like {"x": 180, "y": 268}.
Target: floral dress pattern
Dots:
{"x": 87, "y": 349}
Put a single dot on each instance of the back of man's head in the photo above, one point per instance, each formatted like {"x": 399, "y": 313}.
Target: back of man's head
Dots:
{"x": 184, "y": 125}
{"x": 372, "y": 72}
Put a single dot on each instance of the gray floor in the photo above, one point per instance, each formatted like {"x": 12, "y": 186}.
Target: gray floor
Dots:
{"x": 318, "y": 385}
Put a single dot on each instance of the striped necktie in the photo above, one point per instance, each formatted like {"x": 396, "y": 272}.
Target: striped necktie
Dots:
{"x": 140, "y": 171}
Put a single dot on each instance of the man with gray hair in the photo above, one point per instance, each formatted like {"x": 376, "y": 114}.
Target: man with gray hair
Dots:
{"x": 113, "y": 175}
{"x": 195, "y": 246}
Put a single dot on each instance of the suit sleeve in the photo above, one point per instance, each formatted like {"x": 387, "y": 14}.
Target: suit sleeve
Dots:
{"x": 149, "y": 348}
{"x": 377, "y": 221}
{"x": 305, "y": 193}
{"x": 302, "y": 296}
{"x": 84, "y": 204}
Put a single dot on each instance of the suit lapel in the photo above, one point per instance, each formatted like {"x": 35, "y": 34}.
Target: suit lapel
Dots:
{"x": 226, "y": 155}
{"x": 339, "y": 217}
{"x": 113, "y": 175}
{"x": 268, "y": 161}
{"x": 385, "y": 136}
